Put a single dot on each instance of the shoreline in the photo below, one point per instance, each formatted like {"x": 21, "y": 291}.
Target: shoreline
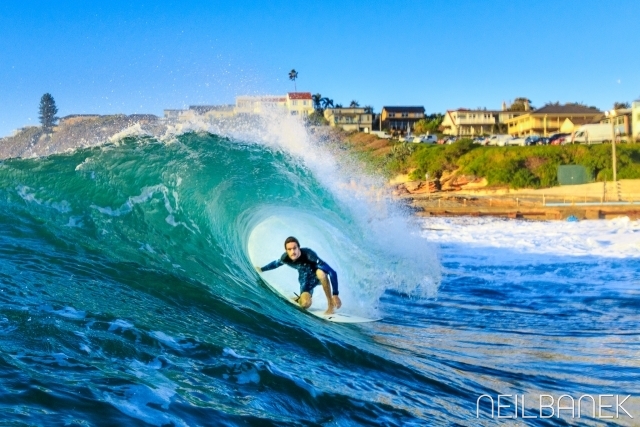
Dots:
{"x": 586, "y": 201}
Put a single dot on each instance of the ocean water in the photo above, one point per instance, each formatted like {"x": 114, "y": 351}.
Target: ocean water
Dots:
{"x": 127, "y": 296}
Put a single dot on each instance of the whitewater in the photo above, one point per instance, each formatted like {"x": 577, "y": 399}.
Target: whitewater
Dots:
{"x": 127, "y": 295}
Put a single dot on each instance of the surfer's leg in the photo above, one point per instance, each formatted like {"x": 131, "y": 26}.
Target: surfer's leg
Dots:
{"x": 305, "y": 300}
{"x": 326, "y": 287}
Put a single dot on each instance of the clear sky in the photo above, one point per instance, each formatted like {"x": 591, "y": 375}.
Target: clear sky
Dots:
{"x": 144, "y": 56}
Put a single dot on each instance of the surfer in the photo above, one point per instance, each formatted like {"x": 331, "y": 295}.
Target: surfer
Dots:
{"x": 312, "y": 271}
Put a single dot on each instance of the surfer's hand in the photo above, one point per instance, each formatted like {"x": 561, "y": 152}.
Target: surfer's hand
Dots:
{"x": 258, "y": 269}
{"x": 336, "y": 301}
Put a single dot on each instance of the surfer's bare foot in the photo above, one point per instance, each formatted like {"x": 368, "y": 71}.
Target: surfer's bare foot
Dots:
{"x": 330, "y": 310}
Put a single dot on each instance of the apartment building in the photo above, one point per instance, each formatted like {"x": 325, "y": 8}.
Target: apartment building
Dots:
{"x": 465, "y": 122}
{"x": 349, "y": 119}
{"x": 550, "y": 119}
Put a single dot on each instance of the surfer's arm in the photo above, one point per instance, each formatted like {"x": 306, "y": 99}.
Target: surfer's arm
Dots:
{"x": 272, "y": 265}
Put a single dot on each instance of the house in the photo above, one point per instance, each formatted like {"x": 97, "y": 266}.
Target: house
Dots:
{"x": 214, "y": 111}
{"x": 349, "y": 119}
{"x": 296, "y": 103}
{"x": 179, "y": 114}
{"x": 622, "y": 120}
{"x": 400, "y": 119}
{"x": 635, "y": 120}
{"x": 465, "y": 122}
{"x": 299, "y": 103}
{"x": 259, "y": 104}
{"x": 550, "y": 119}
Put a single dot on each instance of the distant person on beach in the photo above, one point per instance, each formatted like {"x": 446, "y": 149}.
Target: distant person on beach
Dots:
{"x": 312, "y": 271}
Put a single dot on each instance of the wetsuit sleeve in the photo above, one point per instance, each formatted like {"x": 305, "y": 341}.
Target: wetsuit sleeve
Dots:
{"x": 272, "y": 265}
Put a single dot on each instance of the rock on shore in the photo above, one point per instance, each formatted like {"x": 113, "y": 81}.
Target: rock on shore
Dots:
{"x": 77, "y": 132}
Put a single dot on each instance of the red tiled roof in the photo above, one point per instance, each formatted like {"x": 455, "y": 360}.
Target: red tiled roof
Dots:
{"x": 299, "y": 95}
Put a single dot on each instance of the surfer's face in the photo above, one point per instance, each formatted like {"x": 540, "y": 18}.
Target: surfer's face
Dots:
{"x": 293, "y": 250}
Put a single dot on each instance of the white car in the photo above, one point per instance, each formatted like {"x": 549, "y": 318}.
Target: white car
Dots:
{"x": 499, "y": 140}
{"x": 516, "y": 141}
{"x": 426, "y": 139}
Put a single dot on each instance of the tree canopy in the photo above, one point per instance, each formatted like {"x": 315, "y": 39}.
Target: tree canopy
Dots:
{"x": 48, "y": 111}
{"x": 293, "y": 75}
{"x": 621, "y": 105}
{"x": 519, "y": 104}
{"x": 430, "y": 124}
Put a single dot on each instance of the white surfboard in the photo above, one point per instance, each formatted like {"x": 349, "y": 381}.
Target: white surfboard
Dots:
{"x": 338, "y": 316}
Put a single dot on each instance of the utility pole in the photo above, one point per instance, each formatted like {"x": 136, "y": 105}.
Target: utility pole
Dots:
{"x": 613, "y": 144}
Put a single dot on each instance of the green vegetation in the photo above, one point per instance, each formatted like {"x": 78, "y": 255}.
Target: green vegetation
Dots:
{"x": 429, "y": 125}
{"x": 516, "y": 167}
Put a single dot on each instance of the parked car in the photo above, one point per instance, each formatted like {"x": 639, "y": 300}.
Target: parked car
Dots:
{"x": 532, "y": 140}
{"x": 498, "y": 139}
{"x": 558, "y": 138}
{"x": 381, "y": 134}
{"x": 430, "y": 139}
{"x": 451, "y": 140}
{"x": 516, "y": 140}
{"x": 480, "y": 140}
{"x": 426, "y": 139}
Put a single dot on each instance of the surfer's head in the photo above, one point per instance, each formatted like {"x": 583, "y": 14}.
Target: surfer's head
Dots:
{"x": 292, "y": 246}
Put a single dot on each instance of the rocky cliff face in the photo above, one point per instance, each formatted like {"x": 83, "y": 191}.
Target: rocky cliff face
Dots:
{"x": 77, "y": 133}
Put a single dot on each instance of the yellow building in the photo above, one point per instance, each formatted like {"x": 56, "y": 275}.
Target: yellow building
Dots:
{"x": 551, "y": 118}
{"x": 349, "y": 119}
{"x": 299, "y": 103}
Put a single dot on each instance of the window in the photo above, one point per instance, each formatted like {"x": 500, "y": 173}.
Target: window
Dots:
{"x": 405, "y": 114}
{"x": 462, "y": 116}
{"x": 392, "y": 114}
{"x": 294, "y": 102}
{"x": 294, "y": 113}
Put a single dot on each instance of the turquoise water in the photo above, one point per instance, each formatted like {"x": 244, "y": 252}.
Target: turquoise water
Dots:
{"x": 127, "y": 298}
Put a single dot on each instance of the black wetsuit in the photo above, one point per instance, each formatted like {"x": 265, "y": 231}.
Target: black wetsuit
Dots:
{"x": 307, "y": 264}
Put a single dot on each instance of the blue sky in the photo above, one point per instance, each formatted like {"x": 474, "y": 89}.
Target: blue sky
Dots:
{"x": 145, "y": 56}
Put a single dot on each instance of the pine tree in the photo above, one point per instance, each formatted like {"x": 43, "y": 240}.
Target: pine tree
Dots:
{"x": 48, "y": 111}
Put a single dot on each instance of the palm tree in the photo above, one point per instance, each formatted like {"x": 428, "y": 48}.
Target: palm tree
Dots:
{"x": 326, "y": 103}
{"x": 293, "y": 75}
{"x": 317, "y": 100}
{"x": 339, "y": 106}
{"x": 368, "y": 109}
{"x": 354, "y": 104}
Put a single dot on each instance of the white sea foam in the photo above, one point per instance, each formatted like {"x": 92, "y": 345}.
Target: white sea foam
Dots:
{"x": 616, "y": 238}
